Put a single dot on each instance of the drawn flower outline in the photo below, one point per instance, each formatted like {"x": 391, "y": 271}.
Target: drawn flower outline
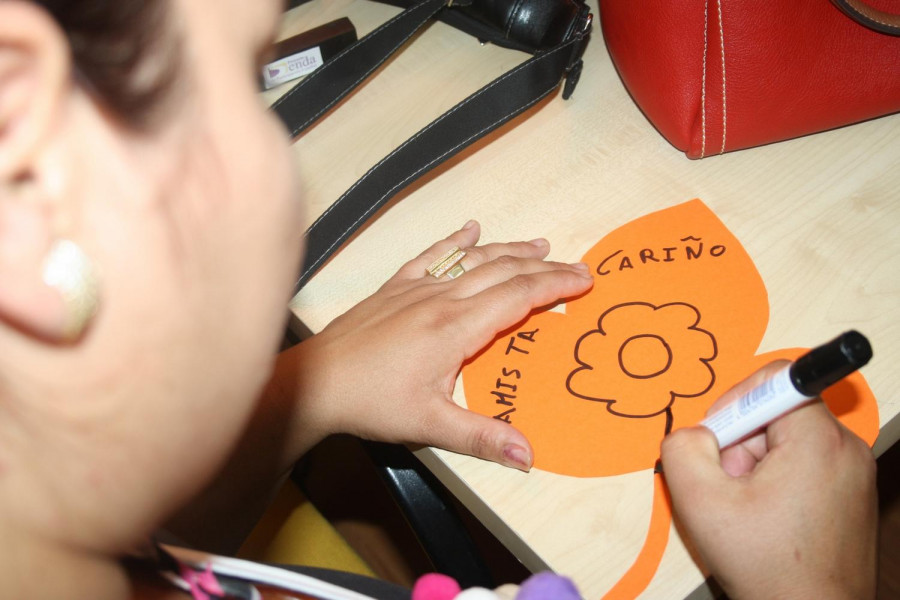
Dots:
{"x": 661, "y": 352}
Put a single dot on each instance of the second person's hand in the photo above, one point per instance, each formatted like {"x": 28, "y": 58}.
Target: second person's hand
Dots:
{"x": 790, "y": 512}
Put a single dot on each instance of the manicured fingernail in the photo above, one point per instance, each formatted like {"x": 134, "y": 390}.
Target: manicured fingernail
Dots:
{"x": 582, "y": 270}
{"x": 470, "y": 224}
{"x": 539, "y": 242}
{"x": 517, "y": 456}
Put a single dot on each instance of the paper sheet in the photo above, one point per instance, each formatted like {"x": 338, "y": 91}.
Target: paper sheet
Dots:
{"x": 674, "y": 319}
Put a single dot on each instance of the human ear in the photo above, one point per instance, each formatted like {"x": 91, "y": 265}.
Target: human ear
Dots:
{"x": 35, "y": 75}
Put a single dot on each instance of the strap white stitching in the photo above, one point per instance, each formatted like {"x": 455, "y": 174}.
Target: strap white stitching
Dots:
{"x": 435, "y": 122}
{"x": 724, "y": 104}
{"x": 334, "y": 60}
{"x": 703, "y": 82}
{"x": 370, "y": 36}
{"x": 435, "y": 160}
{"x": 425, "y": 168}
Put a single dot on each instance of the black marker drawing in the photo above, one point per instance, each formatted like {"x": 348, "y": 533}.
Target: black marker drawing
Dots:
{"x": 661, "y": 353}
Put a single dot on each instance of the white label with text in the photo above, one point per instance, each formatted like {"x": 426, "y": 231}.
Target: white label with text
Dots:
{"x": 292, "y": 67}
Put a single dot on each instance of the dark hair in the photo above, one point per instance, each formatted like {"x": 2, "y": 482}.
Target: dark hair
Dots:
{"x": 123, "y": 50}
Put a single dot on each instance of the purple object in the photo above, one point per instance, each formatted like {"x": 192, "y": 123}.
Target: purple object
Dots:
{"x": 547, "y": 585}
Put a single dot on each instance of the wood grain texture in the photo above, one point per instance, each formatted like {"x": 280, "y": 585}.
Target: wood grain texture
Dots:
{"x": 818, "y": 215}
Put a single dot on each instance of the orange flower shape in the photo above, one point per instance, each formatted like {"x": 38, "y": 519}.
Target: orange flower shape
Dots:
{"x": 661, "y": 352}
{"x": 673, "y": 285}
{"x": 635, "y": 343}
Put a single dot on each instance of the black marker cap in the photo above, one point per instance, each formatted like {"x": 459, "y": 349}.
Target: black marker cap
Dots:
{"x": 829, "y": 363}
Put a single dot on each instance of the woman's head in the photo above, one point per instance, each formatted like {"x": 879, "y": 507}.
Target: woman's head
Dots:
{"x": 134, "y": 130}
{"x": 126, "y": 52}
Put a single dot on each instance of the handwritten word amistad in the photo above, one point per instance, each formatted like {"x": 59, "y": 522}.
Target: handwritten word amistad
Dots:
{"x": 690, "y": 251}
{"x": 504, "y": 391}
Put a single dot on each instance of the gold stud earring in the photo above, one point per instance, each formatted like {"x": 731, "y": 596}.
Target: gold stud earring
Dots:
{"x": 68, "y": 270}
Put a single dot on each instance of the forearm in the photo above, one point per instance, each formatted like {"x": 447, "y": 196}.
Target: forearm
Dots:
{"x": 385, "y": 371}
{"x": 799, "y": 520}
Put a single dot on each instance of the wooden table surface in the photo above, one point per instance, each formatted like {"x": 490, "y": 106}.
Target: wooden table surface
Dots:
{"x": 820, "y": 217}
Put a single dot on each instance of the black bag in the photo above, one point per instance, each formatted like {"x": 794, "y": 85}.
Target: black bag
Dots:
{"x": 555, "y": 32}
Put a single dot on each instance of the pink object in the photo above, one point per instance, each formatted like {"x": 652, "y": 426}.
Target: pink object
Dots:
{"x": 202, "y": 583}
{"x": 434, "y": 586}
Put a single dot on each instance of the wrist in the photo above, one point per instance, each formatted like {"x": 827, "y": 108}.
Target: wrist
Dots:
{"x": 301, "y": 386}
{"x": 838, "y": 584}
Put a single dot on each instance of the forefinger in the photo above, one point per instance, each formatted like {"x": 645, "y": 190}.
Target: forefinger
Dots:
{"x": 505, "y": 304}
{"x": 462, "y": 238}
{"x": 810, "y": 423}
{"x": 742, "y": 458}
{"x": 746, "y": 385}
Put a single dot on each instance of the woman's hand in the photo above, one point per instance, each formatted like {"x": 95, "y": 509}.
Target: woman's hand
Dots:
{"x": 386, "y": 369}
{"x": 789, "y": 513}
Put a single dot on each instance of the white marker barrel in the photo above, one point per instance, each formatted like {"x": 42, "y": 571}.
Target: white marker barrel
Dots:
{"x": 755, "y": 409}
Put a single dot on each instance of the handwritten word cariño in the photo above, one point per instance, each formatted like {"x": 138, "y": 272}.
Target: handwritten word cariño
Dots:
{"x": 504, "y": 391}
{"x": 665, "y": 255}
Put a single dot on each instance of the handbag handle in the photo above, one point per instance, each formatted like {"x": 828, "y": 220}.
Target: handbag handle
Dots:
{"x": 482, "y": 112}
{"x": 869, "y": 16}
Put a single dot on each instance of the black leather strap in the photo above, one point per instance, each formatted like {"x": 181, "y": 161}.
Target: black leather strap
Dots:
{"x": 474, "y": 117}
{"x": 528, "y": 25}
{"x": 307, "y": 101}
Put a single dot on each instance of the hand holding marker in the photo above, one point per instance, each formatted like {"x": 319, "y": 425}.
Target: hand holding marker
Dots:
{"x": 789, "y": 388}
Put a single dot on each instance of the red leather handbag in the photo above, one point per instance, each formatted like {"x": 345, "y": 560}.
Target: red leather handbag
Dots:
{"x": 720, "y": 75}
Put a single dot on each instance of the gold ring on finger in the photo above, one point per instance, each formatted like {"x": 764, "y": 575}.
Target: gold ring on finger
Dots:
{"x": 448, "y": 264}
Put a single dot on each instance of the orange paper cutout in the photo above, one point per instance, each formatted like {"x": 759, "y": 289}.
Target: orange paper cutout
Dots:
{"x": 636, "y": 578}
{"x": 674, "y": 319}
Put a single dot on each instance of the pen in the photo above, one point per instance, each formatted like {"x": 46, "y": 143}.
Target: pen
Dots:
{"x": 790, "y": 387}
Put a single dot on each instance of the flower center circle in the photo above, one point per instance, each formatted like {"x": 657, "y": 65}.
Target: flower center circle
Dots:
{"x": 645, "y": 356}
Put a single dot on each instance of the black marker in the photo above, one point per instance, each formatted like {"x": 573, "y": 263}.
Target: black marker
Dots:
{"x": 804, "y": 379}
{"x": 796, "y": 384}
